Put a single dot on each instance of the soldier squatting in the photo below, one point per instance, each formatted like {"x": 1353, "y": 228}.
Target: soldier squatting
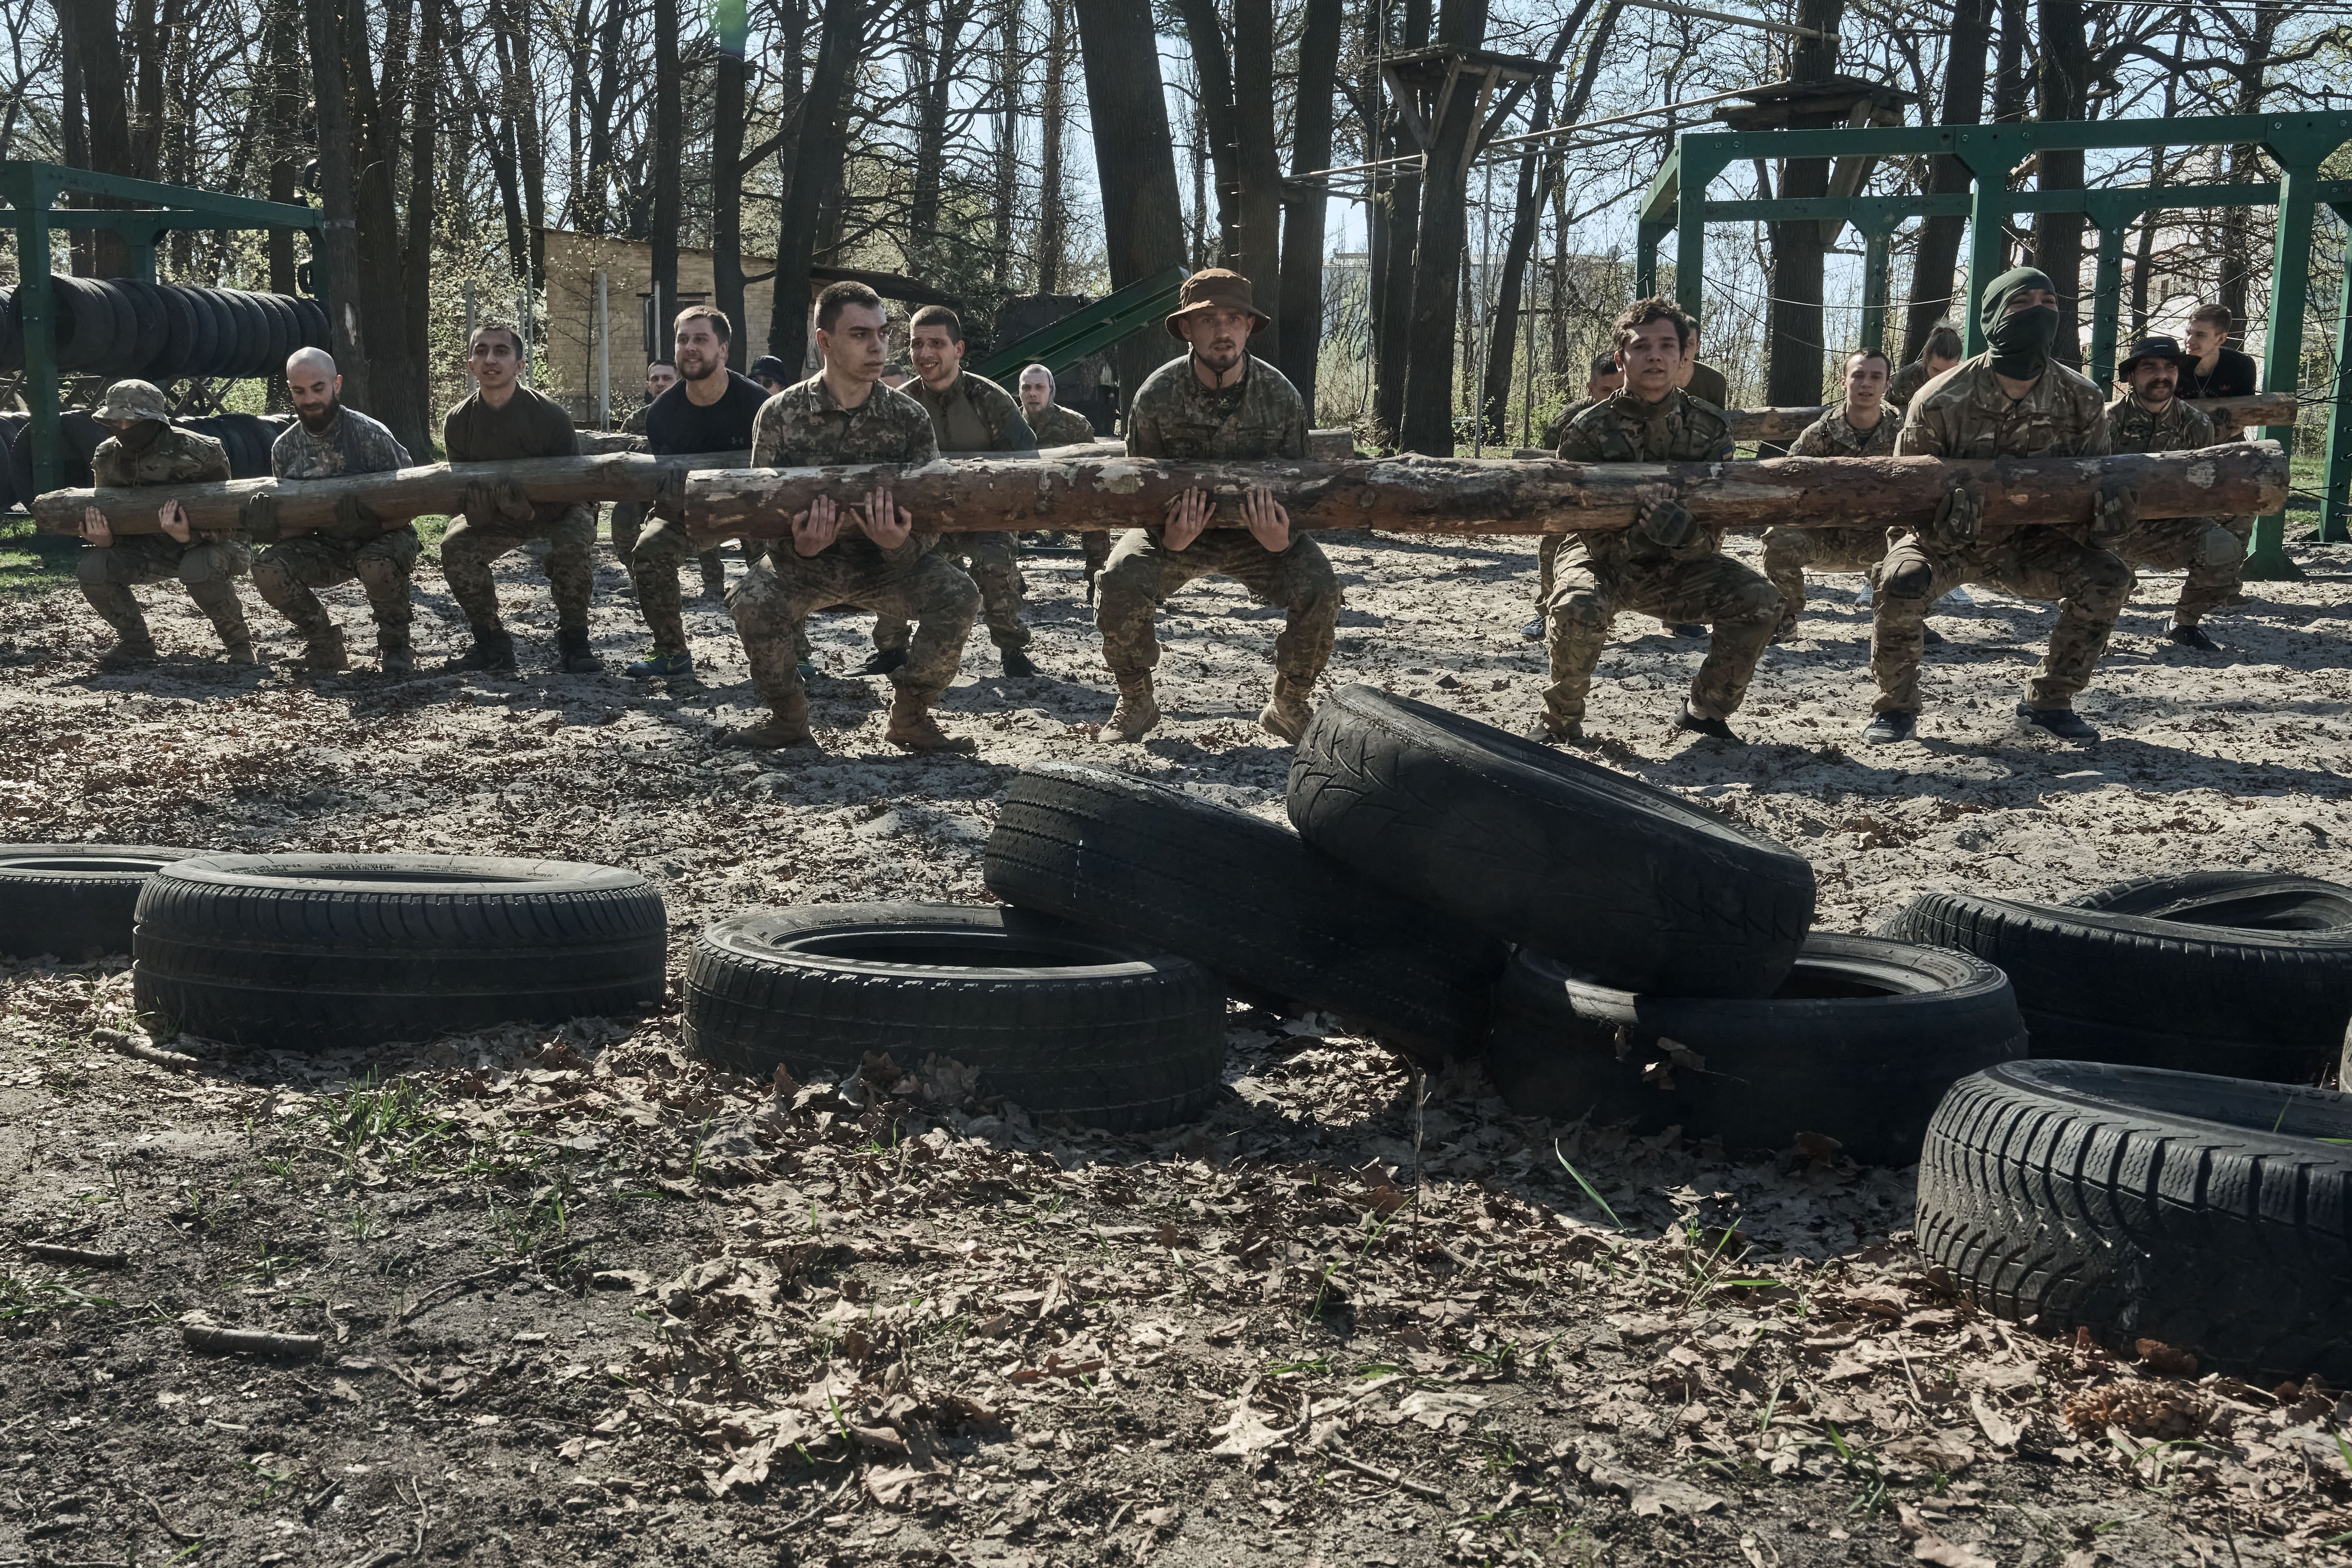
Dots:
{"x": 1214, "y": 402}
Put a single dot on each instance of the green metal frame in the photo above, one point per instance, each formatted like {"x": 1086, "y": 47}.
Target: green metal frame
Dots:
{"x": 1676, "y": 202}
{"x": 1060, "y": 344}
{"x": 30, "y": 190}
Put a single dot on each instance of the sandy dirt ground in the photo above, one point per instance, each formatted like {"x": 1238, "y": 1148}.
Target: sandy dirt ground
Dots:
{"x": 582, "y": 1300}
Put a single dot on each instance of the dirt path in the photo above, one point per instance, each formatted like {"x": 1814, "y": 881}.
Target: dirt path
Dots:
{"x": 580, "y": 1301}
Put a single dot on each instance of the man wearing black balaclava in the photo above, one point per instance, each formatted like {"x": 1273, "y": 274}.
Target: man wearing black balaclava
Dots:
{"x": 2013, "y": 400}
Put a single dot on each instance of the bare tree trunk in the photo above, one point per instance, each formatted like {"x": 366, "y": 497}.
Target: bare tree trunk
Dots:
{"x": 2063, "y": 90}
{"x": 1437, "y": 252}
{"x": 1135, "y": 159}
{"x": 338, "y": 235}
{"x": 1053, "y": 116}
{"x": 147, "y": 117}
{"x": 1008, "y": 142}
{"x": 97, "y": 43}
{"x": 823, "y": 142}
{"x": 424, "y": 105}
{"x": 285, "y": 99}
{"x": 380, "y": 124}
{"x": 1303, "y": 214}
{"x": 1793, "y": 374}
{"x": 668, "y": 150}
{"x": 727, "y": 178}
{"x": 941, "y": 58}
{"x": 1935, "y": 263}
{"x": 2237, "y": 223}
{"x": 1393, "y": 311}
{"x": 1258, "y": 162}
{"x": 596, "y": 208}
{"x": 1213, "y": 70}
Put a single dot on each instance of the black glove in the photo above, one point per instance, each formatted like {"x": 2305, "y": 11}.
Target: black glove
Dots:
{"x": 257, "y": 516}
{"x": 512, "y": 503}
{"x": 1956, "y": 520}
{"x": 1669, "y": 525}
{"x": 480, "y": 504}
{"x": 355, "y": 521}
{"x": 2115, "y": 511}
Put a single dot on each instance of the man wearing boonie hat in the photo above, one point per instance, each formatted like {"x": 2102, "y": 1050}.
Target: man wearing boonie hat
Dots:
{"x": 1218, "y": 402}
{"x": 146, "y": 448}
{"x": 2150, "y": 417}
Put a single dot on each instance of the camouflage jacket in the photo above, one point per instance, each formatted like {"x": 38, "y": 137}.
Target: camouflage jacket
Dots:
{"x": 2178, "y": 428}
{"x": 176, "y": 456}
{"x": 635, "y": 424}
{"x": 974, "y": 415}
{"x": 1965, "y": 413}
{"x": 1832, "y": 436}
{"x": 1057, "y": 426}
{"x": 1175, "y": 416}
{"x": 1622, "y": 428}
{"x": 803, "y": 427}
{"x": 1905, "y": 384}
{"x": 354, "y": 443}
{"x": 1554, "y": 431}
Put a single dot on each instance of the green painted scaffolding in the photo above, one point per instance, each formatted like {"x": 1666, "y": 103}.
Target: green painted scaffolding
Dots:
{"x": 1677, "y": 203}
{"x": 31, "y": 190}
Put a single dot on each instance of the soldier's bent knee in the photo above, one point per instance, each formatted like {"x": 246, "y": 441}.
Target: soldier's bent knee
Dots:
{"x": 1909, "y": 578}
{"x": 273, "y": 580}
{"x": 1582, "y": 611}
{"x": 92, "y": 566}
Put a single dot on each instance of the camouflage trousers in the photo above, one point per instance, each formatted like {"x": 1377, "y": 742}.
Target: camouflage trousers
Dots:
{"x": 653, "y": 560}
{"x": 2211, "y": 549}
{"x": 1143, "y": 574}
{"x": 772, "y": 604}
{"x": 629, "y": 530}
{"x": 993, "y": 565}
{"x": 208, "y": 568}
{"x": 1788, "y": 553}
{"x": 467, "y": 553}
{"x": 1714, "y": 588}
{"x": 289, "y": 573}
{"x": 2089, "y": 584}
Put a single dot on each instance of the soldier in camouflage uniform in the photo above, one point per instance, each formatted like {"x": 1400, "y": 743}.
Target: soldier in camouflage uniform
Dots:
{"x": 1055, "y": 425}
{"x": 2151, "y": 417}
{"x": 146, "y": 448}
{"x": 1861, "y": 426}
{"x": 2013, "y": 400}
{"x": 1938, "y": 354}
{"x": 968, "y": 413}
{"x": 1218, "y": 402}
{"x": 629, "y": 516}
{"x": 325, "y": 441}
{"x": 871, "y": 559}
{"x": 1667, "y": 564}
{"x": 1603, "y": 380}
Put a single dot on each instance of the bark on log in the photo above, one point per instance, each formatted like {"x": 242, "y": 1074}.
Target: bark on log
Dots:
{"x": 435, "y": 488}
{"x": 1499, "y": 496}
{"x": 1752, "y": 424}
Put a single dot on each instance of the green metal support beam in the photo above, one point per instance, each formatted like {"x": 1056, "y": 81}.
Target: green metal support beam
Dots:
{"x": 1061, "y": 344}
{"x": 29, "y": 194}
{"x": 2335, "y": 476}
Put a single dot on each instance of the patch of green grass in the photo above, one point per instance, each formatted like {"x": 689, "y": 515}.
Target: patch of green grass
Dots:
{"x": 30, "y": 562}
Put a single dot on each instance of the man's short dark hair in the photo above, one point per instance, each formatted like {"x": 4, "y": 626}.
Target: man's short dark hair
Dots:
{"x": 1656, "y": 308}
{"x": 513, "y": 332}
{"x": 840, "y": 297}
{"x": 1878, "y": 354}
{"x": 719, "y": 325}
{"x": 2218, "y": 315}
{"x": 1943, "y": 343}
{"x": 664, "y": 364}
{"x": 1604, "y": 365}
{"x": 937, "y": 315}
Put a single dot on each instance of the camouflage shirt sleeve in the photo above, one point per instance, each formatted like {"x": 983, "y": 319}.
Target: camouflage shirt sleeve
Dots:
{"x": 1815, "y": 441}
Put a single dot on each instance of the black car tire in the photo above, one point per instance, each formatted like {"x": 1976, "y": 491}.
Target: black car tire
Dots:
{"x": 74, "y": 901}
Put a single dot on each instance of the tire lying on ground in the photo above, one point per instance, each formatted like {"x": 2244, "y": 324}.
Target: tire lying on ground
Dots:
{"x": 2247, "y": 973}
{"x": 1860, "y": 1043}
{"x": 1056, "y": 1019}
{"x": 74, "y": 901}
{"x": 1245, "y": 897}
{"x": 1624, "y": 883}
{"x": 304, "y": 951}
{"x": 2206, "y": 1212}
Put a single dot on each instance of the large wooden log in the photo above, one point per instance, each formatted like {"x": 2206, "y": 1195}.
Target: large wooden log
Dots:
{"x": 1785, "y": 424}
{"x": 1499, "y": 495}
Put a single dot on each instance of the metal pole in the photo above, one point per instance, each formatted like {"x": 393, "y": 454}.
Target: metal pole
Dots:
{"x": 2106, "y": 304}
{"x": 1988, "y": 246}
{"x": 604, "y": 351}
{"x": 2337, "y": 476}
{"x": 2283, "y": 348}
{"x": 1645, "y": 258}
{"x": 1873, "y": 289}
{"x": 1698, "y": 171}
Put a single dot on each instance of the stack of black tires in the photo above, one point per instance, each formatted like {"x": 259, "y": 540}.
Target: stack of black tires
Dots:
{"x": 245, "y": 437}
{"x": 164, "y": 332}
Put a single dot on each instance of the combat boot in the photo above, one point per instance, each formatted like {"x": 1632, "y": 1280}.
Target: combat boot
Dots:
{"x": 788, "y": 725}
{"x": 1137, "y": 711}
{"x": 714, "y": 575}
{"x": 882, "y": 661}
{"x": 1286, "y": 715}
{"x": 392, "y": 653}
{"x": 571, "y": 647}
{"x": 493, "y": 649}
{"x": 131, "y": 650}
{"x": 222, "y": 607}
{"x": 912, "y": 727}
{"x": 324, "y": 651}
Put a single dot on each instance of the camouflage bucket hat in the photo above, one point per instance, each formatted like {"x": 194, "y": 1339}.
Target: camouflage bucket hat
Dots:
{"x": 133, "y": 400}
{"x": 1214, "y": 288}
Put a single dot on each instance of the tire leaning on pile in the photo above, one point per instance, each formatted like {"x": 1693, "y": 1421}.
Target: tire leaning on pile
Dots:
{"x": 2214, "y": 1214}
{"x": 320, "y": 952}
{"x": 1056, "y": 1019}
{"x": 74, "y": 901}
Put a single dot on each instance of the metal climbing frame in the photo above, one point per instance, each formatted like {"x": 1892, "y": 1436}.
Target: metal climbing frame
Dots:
{"x": 30, "y": 189}
{"x": 1060, "y": 344}
{"x": 1676, "y": 202}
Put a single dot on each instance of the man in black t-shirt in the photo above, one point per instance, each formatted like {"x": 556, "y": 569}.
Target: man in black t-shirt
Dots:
{"x": 710, "y": 410}
{"x": 2210, "y": 369}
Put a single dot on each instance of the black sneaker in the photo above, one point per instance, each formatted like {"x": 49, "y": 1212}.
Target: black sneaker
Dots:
{"x": 1930, "y": 637}
{"x": 1713, "y": 729}
{"x": 1687, "y": 628}
{"x": 1018, "y": 664}
{"x": 1533, "y": 630}
{"x": 883, "y": 661}
{"x": 2062, "y": 722}
{"x": 2193, "y": 637}
{"x": 493, "y": 649}
{"x": 1886, "y": 728}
